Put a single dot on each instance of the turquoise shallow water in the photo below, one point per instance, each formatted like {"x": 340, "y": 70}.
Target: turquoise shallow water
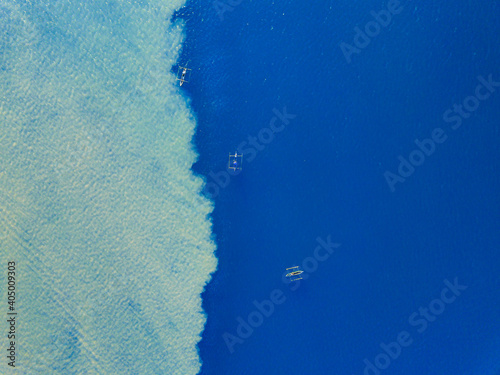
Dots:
{"x": 99, "y": 208}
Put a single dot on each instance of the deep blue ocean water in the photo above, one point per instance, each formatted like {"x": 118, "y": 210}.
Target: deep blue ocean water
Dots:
{"x": 323, "y": 176}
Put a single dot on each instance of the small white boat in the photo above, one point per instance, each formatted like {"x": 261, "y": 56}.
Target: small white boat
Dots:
{"x": 183, "y": 74}
{"x": 235, "y": 161}
{"x": 296, "y": 272}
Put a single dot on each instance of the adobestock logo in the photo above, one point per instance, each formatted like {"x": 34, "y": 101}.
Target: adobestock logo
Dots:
{"x": 222, "y": 7}
{"x": 249, "y": 149}
{"x": 267, "y": 307}
{"x": 421, "y": 320}
{"x": 372, "y": 29}
{"x": 427, "y": 146}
